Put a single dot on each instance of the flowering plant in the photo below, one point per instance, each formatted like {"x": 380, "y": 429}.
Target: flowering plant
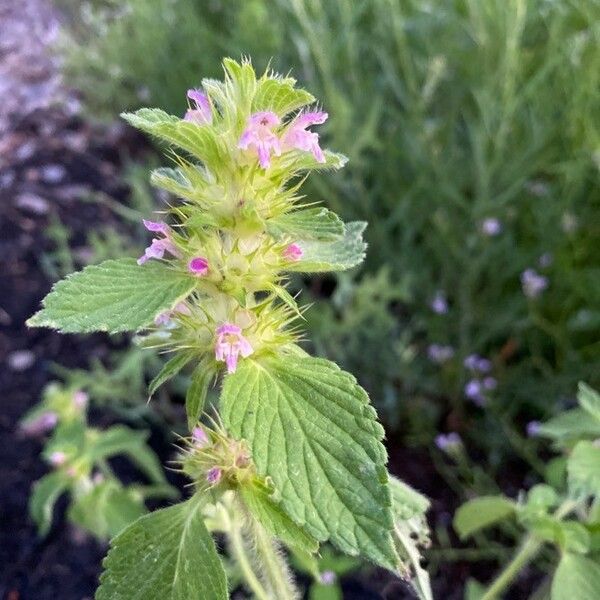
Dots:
{"x": 294, "y": 455}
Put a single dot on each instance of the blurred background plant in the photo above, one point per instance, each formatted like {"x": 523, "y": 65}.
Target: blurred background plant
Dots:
{"x": 472, "y": 128}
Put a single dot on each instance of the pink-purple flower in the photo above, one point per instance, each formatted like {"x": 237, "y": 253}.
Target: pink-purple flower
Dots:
{"x": 439, "y": 304}
{"x": 159, "y": 246}
{"x": 533, "y": 428}
{"x": 230, "y": 344}
{"x": 45, "y": 422}
{"x": 213, "y": 476}
{"x": 198, "y": 266}
{"x": 260, "y": 137}
{"x": 57, "y": 458}
{"x": 201, "y": 111}
{"x": 491, "y": 226}
{"x": 533, "y": 283}
{"x": 440, "y": 354}
{"x": 297, "y": 136}
{"x": 80, "y": 399}
{"x": 474, "y": 362}
{"x": 199, "y": 437}
{"x": 293, "y": 252}
{"x": 448, "y": 441}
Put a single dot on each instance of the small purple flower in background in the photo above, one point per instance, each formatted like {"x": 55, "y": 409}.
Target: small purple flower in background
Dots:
{"x": 202, "y": 112}
{"x": 259, "y": 136}
{"x": 293, "y": 252}
{"x": 214, "y": 475}
{"x": 80, "y": 399}
{"x": 490, "y": 383}
{"x": 440, "y": 354}
{"x": 533, "y": 283}
{"x": 158, "y": 247}
{"x": 474, "y": 362}
{"x": 198, "y": 266}
{"x": 199, "y": 437}
{"x": 545, "y": 260}
{"x": 230, "y": 344}
{"x": 533, "y": 428}
{"x": 569, "y": 222}
{"x": 328, "y": 578}
{"x": 474, "y": 391}
{"x": 45, "y": 422}
{"x": 439, "y": 304}
{"x": 448, "y": 441}
{"x": 57, "y": 458}
{"x": 491, "y": 226}
{"x": 297, "y": 136}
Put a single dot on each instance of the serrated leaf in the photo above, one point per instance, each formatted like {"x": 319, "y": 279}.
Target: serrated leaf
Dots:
{"x": 274, "y": 520}
{"x": 169, "y": 370}
{"x": 116, "y": 295}
{"x": 46, "y": 492}
{"x": 589, "y": 400}
{"x": 481, "y": 512}
{"x": 308, "y": 223}
{"x": 299, "y": 161}
{"x": 280, "y": 96}
{"x": 200, "y": 141}
{"x": 583, "y": 469}
{"x": 123, "y": 440}
{"x": 106, "y": 509}
{"x": 339, "y": 255}
{"x": 166, "y": 555}
{"x": 407, "y": 502}
{"x": 576, "y": 577}
{"x": 195, "y": 397}
{"x": 569, "y": 425}
{"x": 312, "y": 430}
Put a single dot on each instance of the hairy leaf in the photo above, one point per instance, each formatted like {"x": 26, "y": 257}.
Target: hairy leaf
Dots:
{"x": 312, "y": 430}
{"x": 195, "y": 397}
{"x": 307, "y": 224}
{"x": 116, "y": 295}
{"x": 481, "y": 512}
{"x": 576, "y": 578}
{"x": 571, "y": 424}
{"x": 280, "y": 96}
{"x": 338, "y": 255}
{"x": 169, "y": 370}
{"x": 583, "y": 468}
{"x": 166, "y": 555}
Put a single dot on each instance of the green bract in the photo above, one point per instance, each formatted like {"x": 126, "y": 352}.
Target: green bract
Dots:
{"x": 296, "y": 454}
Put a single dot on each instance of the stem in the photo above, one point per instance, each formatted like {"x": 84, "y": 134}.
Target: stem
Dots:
{"x": 527, "y": 552}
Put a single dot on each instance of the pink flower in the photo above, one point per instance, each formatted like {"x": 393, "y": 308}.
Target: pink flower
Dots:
{"x": 201, "y": 113}
{"x": 45, "y": 422}
{"x": 57, "y": 458}
{"x": 214, "y": 475}
{"x": 159, "y": 246}
{"x": 199, "y": 437}
{"x": 198, "y": 266}
{"x": 259, "y": 136}
{"x": 230, "y": 344}
{"x": 297, "y": 136}
{"x": 80, "y": 399}
{"x": 293, "y": 252}
{"x": 164, "y": 318}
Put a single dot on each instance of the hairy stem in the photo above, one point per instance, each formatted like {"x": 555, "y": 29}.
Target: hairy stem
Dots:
{"x": 527, "y": 552}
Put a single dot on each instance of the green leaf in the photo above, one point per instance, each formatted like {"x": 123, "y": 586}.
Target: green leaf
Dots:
{"x": 106, "y": 509}
{"x": 187, "y": 181}
{"x": 195, "y": 397}
{"x": 407, "y": 502}
{"x": 583, "y": 468}
{"x": 166, "y": 555}
{"x": 589, "y": 400}
{"x": 576, "y": 578}
{"x": 46, "y": 492}
{"x": 280, "y": 96}
{"x": 569, "y": 425}
{"x": 169, "y": 370}
{"x": 200, "y": 141}
{"x": 123, "y": 440}
{"x": 116, "y": 295}
{"x": 481, "y": 512}
{"x": 308, "y": 223}
{"x": 274, "y": 520}
{"x": 312, "y": 430}
{"x": 338, "y": 255}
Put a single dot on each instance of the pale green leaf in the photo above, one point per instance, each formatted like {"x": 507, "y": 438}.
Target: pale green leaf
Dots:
{"x": 312, "y": 430}
{"x": 280, "y": 96}
{"x": 481, "y": 512}
{"x": 570, "y": 425}
{"x": 116, "y": 295}
{"x": 339, "y": 255}
{"x": 106, "y": 509}
{"x": 166, "y": 555}
{"x": 200, "y": 141}
{"x": 589, "y": 399}
{"x": 169, "y": 370}
{"x": 299, "y": 161}
{"x": 576, "y": 578}
{"x": 406, "y": 502}
{"x": 308, "y": 223}
{"x": 583, "y": 468}
{"x": 195, "y": 397}
{"x": 46, "y": 492}
{"x": 274, "y": 520}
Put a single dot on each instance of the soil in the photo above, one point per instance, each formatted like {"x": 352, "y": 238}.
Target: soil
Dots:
{"x": 49, "y": 158}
